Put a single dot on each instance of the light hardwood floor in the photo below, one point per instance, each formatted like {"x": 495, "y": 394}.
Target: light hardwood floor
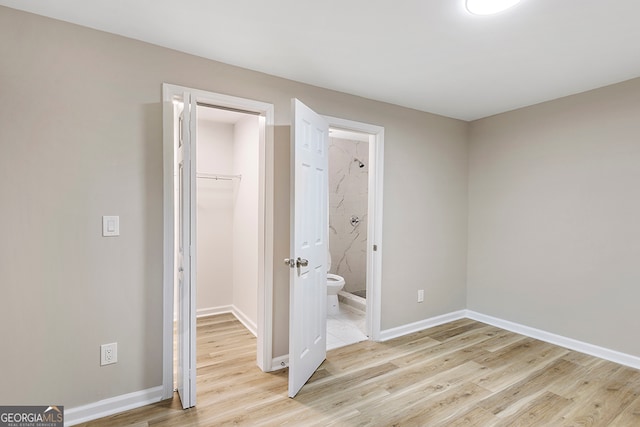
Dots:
{"x": 464, "y": 373}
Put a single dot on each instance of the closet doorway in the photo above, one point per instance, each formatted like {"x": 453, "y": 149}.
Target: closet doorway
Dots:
{"x": 227, "y": 213}
{"x": 218, "y": 210}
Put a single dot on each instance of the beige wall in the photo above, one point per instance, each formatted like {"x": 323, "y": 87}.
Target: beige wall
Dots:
{"x": 554, "y": 216}
{"x": 81, "y": 134}
{"x": 425, "y": 217}
{"x": 215, "y": 216}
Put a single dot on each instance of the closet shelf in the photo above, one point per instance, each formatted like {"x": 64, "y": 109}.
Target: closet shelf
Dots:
{"x": 221, "y": 177}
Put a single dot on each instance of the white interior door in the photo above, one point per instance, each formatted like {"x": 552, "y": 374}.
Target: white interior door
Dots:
{"x": 185, "y": 182}
{"x": 309, "y": 234}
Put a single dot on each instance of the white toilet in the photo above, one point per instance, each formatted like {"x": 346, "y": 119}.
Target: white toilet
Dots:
{"x": 335, "y": 284}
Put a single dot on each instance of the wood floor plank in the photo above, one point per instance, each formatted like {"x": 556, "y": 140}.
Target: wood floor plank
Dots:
{"x": 405, "y": 403}
{"x": 409, "y": 375}
{"x": 444, "y": 406}
{"x": 581, "y": 359}
{"x": 541, "y": 411}
{"x": 352, "y": 379}
{"x": 630, "y": 416}
{"x": 474, "y": 417}
{"x": 586, "y": 381}
{"x": 322, "y": 409}
{"x": 466, "y": 340}
{"x": 451, "y": 332}
{"x": 533, "y": 384}
{"x": 607, "y": 397}
{"x": 442, "y": 327}
{"x": 422, "y": 409}
{"x": 501, "y": 339}
{"x": 369, "y": 352}
{"x": 519, "y": 350}
{"x": 525, "y": 358}
{"x": 464, "y": 373}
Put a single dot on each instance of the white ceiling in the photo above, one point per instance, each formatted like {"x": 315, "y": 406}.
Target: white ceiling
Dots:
{"x": 430, "y": 55}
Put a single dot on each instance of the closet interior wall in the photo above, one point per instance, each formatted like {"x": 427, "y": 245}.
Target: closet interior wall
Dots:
{"x": 227, "y": 215}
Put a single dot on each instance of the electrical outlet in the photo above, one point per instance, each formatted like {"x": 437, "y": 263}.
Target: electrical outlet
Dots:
{"x": 420, "y": 295}
{"x": 108, "y": 353}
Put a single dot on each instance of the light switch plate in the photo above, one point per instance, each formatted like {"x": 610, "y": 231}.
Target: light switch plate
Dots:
{"x": 110, "y": 226}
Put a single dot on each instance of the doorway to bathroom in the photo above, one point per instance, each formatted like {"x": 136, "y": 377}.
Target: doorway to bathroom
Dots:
{"x": 355, "y": 172}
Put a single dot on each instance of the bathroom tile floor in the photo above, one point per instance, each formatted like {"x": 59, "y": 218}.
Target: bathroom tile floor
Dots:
{"x": 346, "y": 327}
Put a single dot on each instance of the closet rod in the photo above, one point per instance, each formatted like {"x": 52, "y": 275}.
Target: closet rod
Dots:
{"x": 218, "y": 176}
{"x": 235, "y": 110}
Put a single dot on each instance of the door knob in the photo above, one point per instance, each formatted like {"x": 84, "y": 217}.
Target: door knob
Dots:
{"x": 300, "y": 262}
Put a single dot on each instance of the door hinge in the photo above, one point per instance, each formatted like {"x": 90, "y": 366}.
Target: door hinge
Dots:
{"x": 375, "y": 248}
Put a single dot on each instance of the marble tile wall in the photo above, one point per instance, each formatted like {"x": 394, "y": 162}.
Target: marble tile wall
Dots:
{"x": 348, "y": 186}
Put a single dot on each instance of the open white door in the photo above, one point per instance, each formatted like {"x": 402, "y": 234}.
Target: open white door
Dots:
{"x": 309, "y": 234}
{"x": 185, "y": 183}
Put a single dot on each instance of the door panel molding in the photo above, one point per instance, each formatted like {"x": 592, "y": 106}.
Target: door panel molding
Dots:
{"x": 308, "y": 247}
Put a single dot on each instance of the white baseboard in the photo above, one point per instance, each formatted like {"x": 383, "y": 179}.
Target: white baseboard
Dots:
{"x": 113, "y": 405}
{"x": 212, "y": 311}
{"x": 410, "y": 328}
{"x": 570, "y": 343}
{"x": 243, "y": 318}
{"x": 248, "y": 323}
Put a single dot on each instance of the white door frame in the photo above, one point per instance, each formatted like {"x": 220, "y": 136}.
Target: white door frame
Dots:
{"x": 374, "y": 213}
{"x": 170, "y": 93}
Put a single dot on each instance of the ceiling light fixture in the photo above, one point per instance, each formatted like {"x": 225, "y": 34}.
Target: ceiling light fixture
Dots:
{"x": 489, "y": 7}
